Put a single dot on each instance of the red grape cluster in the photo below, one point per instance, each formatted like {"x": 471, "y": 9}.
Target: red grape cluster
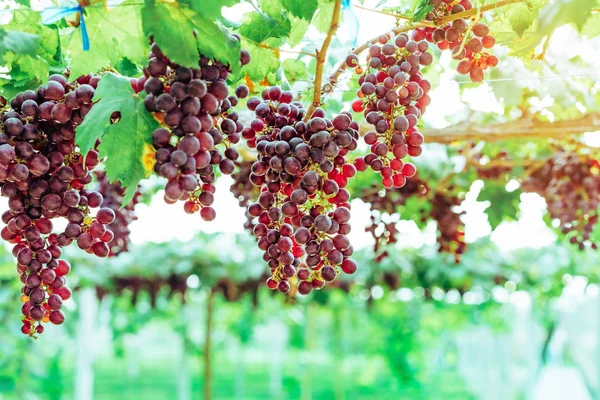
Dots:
{"x": 384, "y": 204}
{"x": 243, "y": 190}
{"x": 494, "y": 167}
{"x": 44, "y": 176}
{"x": 570, "y": 184}
{"x": 392, "y": 96}
{"x": 113, "y": 195}
{"x": 465, "y": 38}
{"x": 302, "y": 209}
{"x": 451, "y": 229}
{"x": 198, "y": 123}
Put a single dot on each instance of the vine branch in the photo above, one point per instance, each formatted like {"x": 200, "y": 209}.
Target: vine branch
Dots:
{"x": 464, "y": 14}
{"x": 397, "y": 16}
{"x": 524, "y": 128}
{"x": 321, "y": 58}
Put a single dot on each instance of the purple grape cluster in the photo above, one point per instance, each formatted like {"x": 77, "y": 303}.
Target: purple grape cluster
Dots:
{"x": 199, "y": 127}
{"x": 302, "y": 209}
{"x": 113, "y": 194}
{"x": 43, "y": 175}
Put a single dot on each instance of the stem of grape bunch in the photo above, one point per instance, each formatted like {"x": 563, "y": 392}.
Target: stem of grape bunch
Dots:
{"x": 321, "y": 58}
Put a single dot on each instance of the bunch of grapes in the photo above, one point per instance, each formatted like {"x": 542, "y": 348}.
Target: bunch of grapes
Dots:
{"x": 302, "y": 209}
{"x": 494, "y": 167}
{"x": 570, "y": 184}
{"x": 243, "y": 190}
{"x": 451, "y": 229}
{"x": 384, "y": 204}
{"x": 113, "y": 195}
{"x": 393, "y": 96}
{"x": 199, "y": 127}
{"x": 465, "y": 38}
{"x": 43, "y": 175}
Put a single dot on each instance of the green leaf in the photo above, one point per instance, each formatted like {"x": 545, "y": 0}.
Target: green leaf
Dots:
{"x": 562, "y": 12}
{"x": 125, "y": 143}
{"x": 17, "y": 42}
{"x": 521, "y": 15}
{"x": 592, "y": 27}
{"x": 209, "y": 9}
{"x": 504, "y": 205}
{"x": 113, "y": 35}
{"x": 258, "y": 27}
{"x": 173, "y": 29}
{"x": 322, "y": 19}
{"x": 294, "y": 69}
{"x": 304, "y": 9}
{"x": 273, "y": 8}
{"x": 298, "y": 32}
{"x": 47, "y": 36}
{"x": 422, "y": 9}
{"x": 268, "y": 61}
{"x": 26, "y": 3}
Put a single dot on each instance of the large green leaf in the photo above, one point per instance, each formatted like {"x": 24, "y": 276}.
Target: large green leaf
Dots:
{"x": 209, "y": 9}
{"x": 504, "y": 205}
{"x": 562, "y": 12}
{"x": 181, "y": 32}
{"x": 17, "y": 42}
{"x": 304, "y": 9}
{"x": 273, "y": 8}
{"x": 125, "y": 143}
{"x": 265, "y": 61}
{"x": 29, "y": 21}
{"x": 113, "y": 35}
{"x": 258, "y": 27}
{"x": 422, "y": 9}
{"x": 522, "y": 15}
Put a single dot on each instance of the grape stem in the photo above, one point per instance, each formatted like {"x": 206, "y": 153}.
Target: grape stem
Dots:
{"x": 321, "y": 58}
{"x": 397, "y": 16}
{"x": 399, "y": 29}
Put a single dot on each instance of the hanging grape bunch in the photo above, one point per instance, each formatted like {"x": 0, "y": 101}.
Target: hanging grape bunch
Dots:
{"x": 199, "y": 127}
{"x": 113, "y": 195}
{"x": 303, "y": 209}
{"x": 385, "y": 203}
{"x": 465, "y": 38}
{"x": 570, "y": 184}
{"x": 243, "y": 190}
{"x": 43, "y": 175}
{"x": 450, "y": 227}
{"x": 392, "y": 96}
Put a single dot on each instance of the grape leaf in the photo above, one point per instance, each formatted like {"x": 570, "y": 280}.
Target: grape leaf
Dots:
{"x": 269, "y": 61}
{"x": 209, "y": 9}
{"x": 294, "y": 69}
{"x": 17, "y": 43}
{"x": 273, "y": 8}
{"x": 26, "y": 3}
{"x": 562, "y": 12}
{"x": 322, "y": 19}
{"x": 304, "y": 9}
{"x": 504, "y": 205}
{"x": 173, "y": 28}
{"x": 298, "y": 32}
{"x": 521, "y": 15}
{"x": 125, "y": 144}
{"x": 258, "y": 27}
{"x": 29, "y": 21}
{"x": 422, "y": 9}
{"x": 592, "y": 27}
{"x": 113, "y": 35}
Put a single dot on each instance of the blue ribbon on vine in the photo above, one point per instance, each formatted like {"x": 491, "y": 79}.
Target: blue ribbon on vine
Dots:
{"x": 352, "y": 20}
{"x": 54, "y": 14}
